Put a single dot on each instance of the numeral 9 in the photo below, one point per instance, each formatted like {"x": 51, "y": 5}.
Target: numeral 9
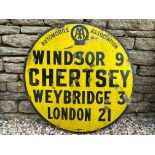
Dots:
{"x": 120, "y": 59}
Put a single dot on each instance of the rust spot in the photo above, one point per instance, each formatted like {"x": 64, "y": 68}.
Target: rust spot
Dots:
{"x": 68, "y": 47}
{"x": 58, "y": 126}
{"x": 73, "y": 97}
{"x": 127, "y": 100}
{"x": 76, "y": 80}
{"x": 74, "y": 55}
{"x": 106, "y": 108}
{"x": 106, "y": 101}
{"x": 78, "y": 129}
{"x": 53, "y": 86}
{"x": 59, "y": 73}
{"x": 86, "y": 69}
{"x": 116, "y": 87}
{"x": 89, "y": 79}
{"x": 92, "y": 65}
{"x": 109, "y": 74}
{"x": 72, "y": 75}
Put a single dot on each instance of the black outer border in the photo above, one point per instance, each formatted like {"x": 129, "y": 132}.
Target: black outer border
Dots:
{"x": 61, "y": 26}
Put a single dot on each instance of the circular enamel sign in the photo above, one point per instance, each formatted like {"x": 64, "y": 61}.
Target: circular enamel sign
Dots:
{"x": 78, "y": 77}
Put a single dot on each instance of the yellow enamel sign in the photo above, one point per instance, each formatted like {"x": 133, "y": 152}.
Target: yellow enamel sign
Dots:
{"x": 78, "y": 77}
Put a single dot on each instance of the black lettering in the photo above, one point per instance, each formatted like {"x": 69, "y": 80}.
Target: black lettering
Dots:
{"x": 56, "y": 113}
{"x": 57, "y": 57}
{"x": 112, "y": 77}
{"x": 102, "y": 114}
{"x": 76, "y": 95}
{"x": 38, "y": 95}
{"x": 31, "y": 77}
{"x": 38, "y": 56}
{"x": 83, "y": 97}
{"x": 90, "y": 97}
{"x": 49, "y": 113}
{"x": 99, "y": 58}
{"x": 98, "y": 76}
{"x": 124, "y": 76}
{"x": 122, "y": 93}
{"x": 88, "y": 55}
{"x": 60, "y": 76}
{"x": 80, "y": 114}
{"x": 68, "y": 58}
{"x": 64, "y": 114}
{"x": 99, "y": 100}
{"x": 109, "y": 114}
{"x": 48, "y": 58}
{"x": 57, "y": 95}
{"x": 73, "y": 77}
{"x": 79, "y": 56}
{"x": 72, "y": 114}
{"x": 87, "y": 114}
{"x": 45, "y": 77}
{"x": 67, "y": 97}
{"x": 106, "y": 97}
{"x": 48, "y": 96}
{"x": 87, "y": 76}
{"x": 120, "y": 58}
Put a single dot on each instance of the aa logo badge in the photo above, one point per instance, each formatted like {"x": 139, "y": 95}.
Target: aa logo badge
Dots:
{"x": 80, "y": 34}
{"x": 78, "y": 77}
